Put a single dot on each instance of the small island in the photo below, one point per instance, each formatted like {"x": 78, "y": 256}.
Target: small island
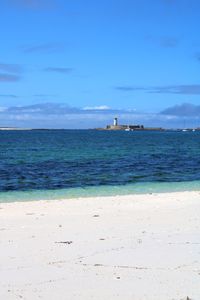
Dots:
{"x": 132, "y": 127}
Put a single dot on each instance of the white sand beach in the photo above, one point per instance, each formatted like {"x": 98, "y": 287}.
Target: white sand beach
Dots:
{"x": 136, "y": 247}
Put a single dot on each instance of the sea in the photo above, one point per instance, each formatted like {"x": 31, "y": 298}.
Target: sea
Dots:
{"x": 61, "y": 164}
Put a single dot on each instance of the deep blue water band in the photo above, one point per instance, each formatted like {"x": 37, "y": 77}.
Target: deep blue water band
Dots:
{"x": 82, "y": 160}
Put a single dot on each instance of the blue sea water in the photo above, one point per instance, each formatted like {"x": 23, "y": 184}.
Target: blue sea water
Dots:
{"x": 51, "y": 164}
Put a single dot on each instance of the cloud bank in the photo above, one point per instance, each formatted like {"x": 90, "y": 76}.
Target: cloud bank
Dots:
{"x": 43, "y": 48}
{"x": 183, "y": 110}
{"x": 187, "y": 89}
{"x": 9, "y": 72}
{"x": 8, "y": 78}
{"x": 12, "y": 68}
{"x": 8, "y": 96}
{"x": 62, "y": 70}
{"x": 54, "y": 115}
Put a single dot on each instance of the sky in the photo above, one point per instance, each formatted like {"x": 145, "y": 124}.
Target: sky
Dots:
{"x": 79, "y": 63}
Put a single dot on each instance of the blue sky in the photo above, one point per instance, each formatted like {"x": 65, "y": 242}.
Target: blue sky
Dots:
{"x": 132, "y": 58}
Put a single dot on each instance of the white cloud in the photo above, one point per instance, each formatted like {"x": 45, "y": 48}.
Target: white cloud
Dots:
{"x": 101, "y": 107}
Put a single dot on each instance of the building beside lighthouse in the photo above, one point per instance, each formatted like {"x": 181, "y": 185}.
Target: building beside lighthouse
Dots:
{"x": 116, "y": 126}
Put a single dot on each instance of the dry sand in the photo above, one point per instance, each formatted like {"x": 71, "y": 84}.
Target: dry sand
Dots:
{"x": 126, "y": 247}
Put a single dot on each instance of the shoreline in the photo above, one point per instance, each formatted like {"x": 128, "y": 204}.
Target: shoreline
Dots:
{"x": 123, "y": 247}
{"x": 108, "y": 197}
{"x": 140, "y": 188}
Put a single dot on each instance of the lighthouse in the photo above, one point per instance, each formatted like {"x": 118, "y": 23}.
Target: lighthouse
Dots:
{"x": 115, "y": 122}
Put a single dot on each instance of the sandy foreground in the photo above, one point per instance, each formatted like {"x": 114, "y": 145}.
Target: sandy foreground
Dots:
{"x": 124, "y": 247}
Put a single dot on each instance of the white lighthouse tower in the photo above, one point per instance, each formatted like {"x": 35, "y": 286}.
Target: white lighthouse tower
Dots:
{"x": 115, "y": 122}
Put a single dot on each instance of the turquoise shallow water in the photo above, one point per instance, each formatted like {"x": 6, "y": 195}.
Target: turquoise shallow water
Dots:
{"x": 55, "y": 164}
{"x": 70, "y": 193}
